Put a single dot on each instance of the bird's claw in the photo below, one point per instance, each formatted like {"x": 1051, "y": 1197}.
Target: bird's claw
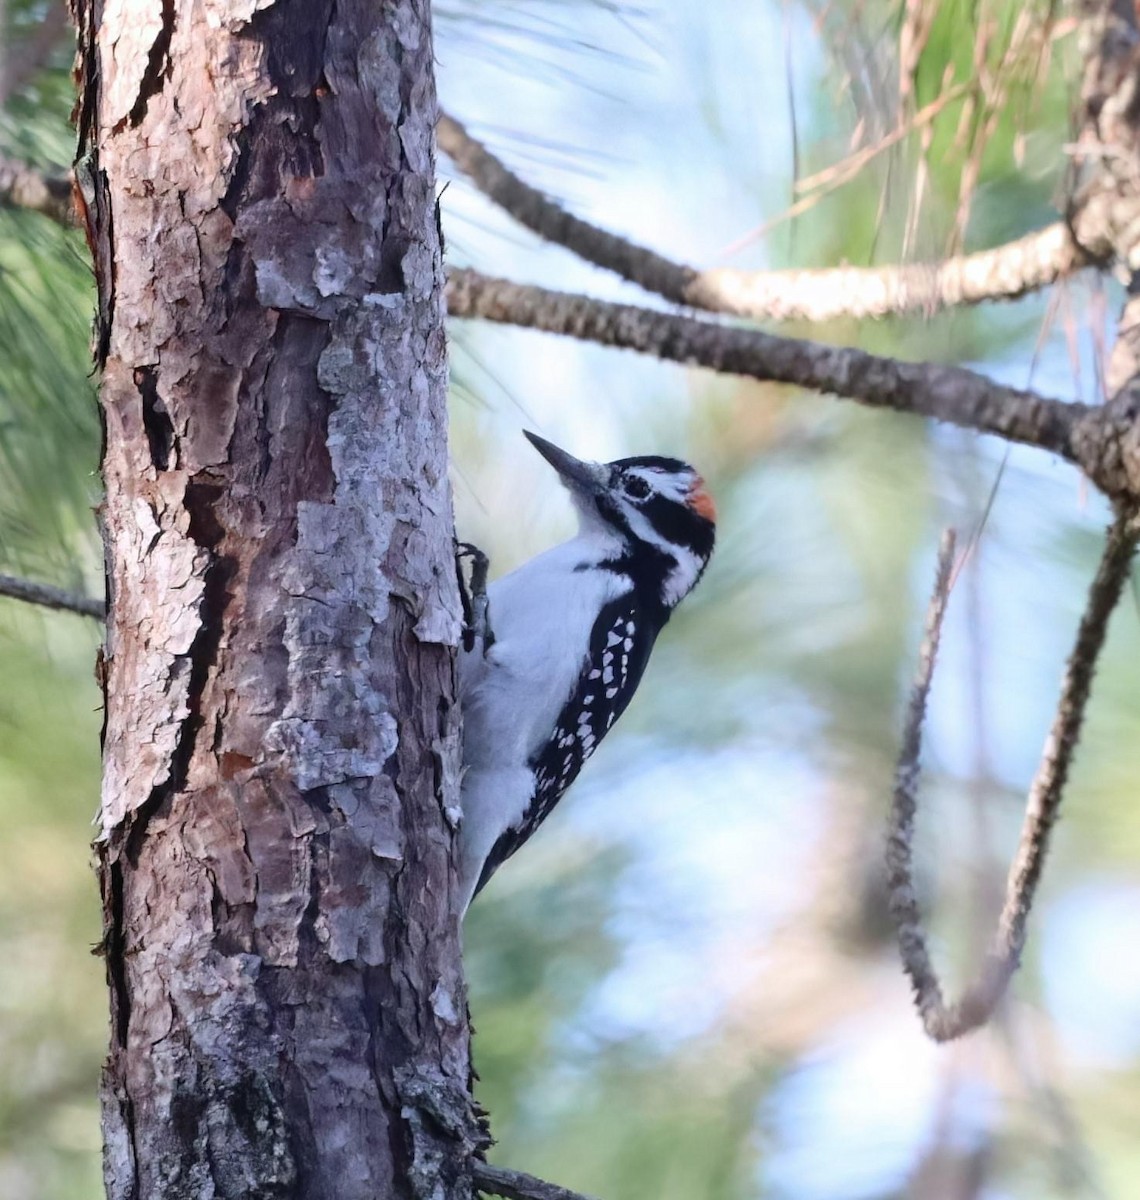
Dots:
{"x": 473, "y": 596}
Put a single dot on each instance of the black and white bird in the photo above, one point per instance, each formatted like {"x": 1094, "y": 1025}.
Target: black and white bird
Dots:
{"x": 566, "y": 642}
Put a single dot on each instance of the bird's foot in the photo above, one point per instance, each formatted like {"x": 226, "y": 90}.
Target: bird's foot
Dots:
{"x": 473, "y": 596}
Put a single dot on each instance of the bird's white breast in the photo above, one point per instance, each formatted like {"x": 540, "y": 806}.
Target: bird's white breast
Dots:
{"x": 542, "y": 615}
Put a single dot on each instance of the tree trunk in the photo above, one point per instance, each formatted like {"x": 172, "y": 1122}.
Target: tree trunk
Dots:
{"x": 281, "y": 740}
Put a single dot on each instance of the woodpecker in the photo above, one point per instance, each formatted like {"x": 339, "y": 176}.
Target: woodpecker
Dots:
{"x": 565, "y": 643}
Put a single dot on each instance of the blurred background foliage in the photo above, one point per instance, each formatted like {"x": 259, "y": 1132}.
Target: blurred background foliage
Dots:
{"x": 687, "y": 986}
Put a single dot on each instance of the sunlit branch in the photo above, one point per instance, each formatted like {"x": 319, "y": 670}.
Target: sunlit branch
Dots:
{"x": 1003, "y": 273}
{"x": 517, "y": 1185}
{"x": 47, "y": 596}
{"x": 22, "y": 186}
{"x": 947, "y": 393}
{"x": 944, "y": 1021}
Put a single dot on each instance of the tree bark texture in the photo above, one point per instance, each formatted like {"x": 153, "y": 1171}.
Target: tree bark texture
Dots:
{"x": 281, "y": 740}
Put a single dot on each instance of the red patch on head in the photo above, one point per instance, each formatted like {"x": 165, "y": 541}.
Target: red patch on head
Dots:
{"x": 700, "y": 501}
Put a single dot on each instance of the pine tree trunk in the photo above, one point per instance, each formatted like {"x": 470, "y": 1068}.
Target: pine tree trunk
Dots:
{"x": 281, "y": 749}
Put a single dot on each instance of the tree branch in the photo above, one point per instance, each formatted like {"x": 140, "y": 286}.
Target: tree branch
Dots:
{"x": 1004, "y": 273}
{"x": 22, "y": 186}
{"x": 47, "y": 596}
{"x": 947, "y": 393}
{"x": 943, "y": 1021}
{"x": 517, "y": 1185}
{"x": 1048, "y": 785}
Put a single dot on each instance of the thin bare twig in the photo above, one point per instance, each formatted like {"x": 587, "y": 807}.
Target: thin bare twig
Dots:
{"x": 1004, "y": 273}
{"x": 943, "y": 1021}
{"x": 47, "y": 596}
{"x": 847, "y": 168}
{"x": 814, "y": 188}
{"x": 517, "y": 1185}
{"x": 947, "y": 393}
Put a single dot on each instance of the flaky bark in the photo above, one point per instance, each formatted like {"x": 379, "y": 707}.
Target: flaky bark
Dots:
{"x": 281, "y": 751}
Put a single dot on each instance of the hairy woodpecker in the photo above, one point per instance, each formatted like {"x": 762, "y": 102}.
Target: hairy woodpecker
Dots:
{"x": 565, "y": 643}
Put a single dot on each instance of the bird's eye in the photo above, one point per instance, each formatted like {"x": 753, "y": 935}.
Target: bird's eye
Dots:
{"x": 636, "y": 487}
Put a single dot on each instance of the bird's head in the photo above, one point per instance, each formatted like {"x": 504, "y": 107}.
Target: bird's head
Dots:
{"x": 657, "y": 507}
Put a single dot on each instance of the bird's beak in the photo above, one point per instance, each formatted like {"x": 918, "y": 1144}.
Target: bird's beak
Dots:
{"x": 586, "y": 477}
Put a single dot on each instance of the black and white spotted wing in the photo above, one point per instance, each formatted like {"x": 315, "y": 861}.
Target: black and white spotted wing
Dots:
{"x": 619, "y": 649}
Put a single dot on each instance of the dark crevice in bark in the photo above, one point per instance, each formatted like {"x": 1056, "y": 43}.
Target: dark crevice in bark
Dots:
{"x": 114, "y": 953}
{"x": 203, "y": 495}
{"x": 92, "y": 191}
{"x": 102, "y": 651}
{"x": 93, "y": 201}
{"x": 390, "y": 278}
{"x": 156, "y": 420}
{"x": 233, "y": 923}
{"x": 264, "y": 442}
{"x": 186, "y": 1112}
{"x": 278, "y": 144}
{"x": 230, "y": 204}
{"x": 125, "y": 1116}
{"x": 297, "y": 331}
{"x": 295, "y": 58}
{"x": 202, "y": 656}
{"x": 85, "y": 74}
{"x": 112, "y": 949}
{"x": 157, "y": 66}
